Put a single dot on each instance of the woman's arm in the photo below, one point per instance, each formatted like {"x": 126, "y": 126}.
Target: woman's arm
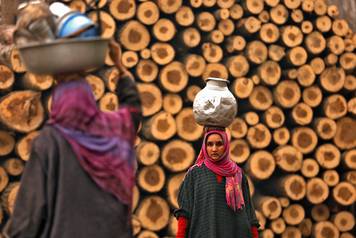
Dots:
{"x": 127, "y": 91}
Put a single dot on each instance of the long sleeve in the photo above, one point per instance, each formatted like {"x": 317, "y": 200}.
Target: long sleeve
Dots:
{"x": 250, "y": 209}
{"x": 185, "y": 197}
{"x": 182, "y": 227}
{"x": 129, "y": 98}
{"x": 29, "y": 214}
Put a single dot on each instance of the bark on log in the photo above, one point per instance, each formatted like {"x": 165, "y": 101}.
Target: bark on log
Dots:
{"x": 147, "y": 153}
{"x": 292, "y": 186}
{"x": 153, "y": 212}
{"x": 187, "y": 128}
{"x": 310, "y": 168}
{"x": 260, "y": 165}
{"x": 177, "y": 155}
{"x": 173, "y": 77}
{"x": 151, "y": 98}
{"x": 151, "y": 178}
{"x": 161, "y": 126}
{"x": 22, "y": 111}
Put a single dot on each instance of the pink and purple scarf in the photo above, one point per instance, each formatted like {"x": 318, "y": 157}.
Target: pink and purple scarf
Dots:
{"x": 224, "y": 167}
{"x": 102, "y": 141}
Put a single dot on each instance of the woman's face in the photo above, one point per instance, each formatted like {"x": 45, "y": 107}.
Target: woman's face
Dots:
{"x": 215, "y": 146}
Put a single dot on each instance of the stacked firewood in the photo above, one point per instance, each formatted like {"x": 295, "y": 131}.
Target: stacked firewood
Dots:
{"x": 291, "y": 64}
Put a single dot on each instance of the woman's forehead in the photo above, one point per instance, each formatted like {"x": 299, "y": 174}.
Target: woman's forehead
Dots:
{"x": 214, "y": 137}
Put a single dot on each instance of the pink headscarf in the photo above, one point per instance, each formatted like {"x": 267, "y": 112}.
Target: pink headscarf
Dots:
{"x": 224, "y": 167}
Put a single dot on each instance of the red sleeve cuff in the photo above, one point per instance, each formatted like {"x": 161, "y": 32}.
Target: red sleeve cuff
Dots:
{"x": 182, "y": 227}
{"x": 254, "y": 232}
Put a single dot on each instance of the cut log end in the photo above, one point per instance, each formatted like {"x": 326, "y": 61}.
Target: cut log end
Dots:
{"x": 177, "y": 155}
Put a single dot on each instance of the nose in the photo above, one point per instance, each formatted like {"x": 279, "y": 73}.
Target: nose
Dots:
{"x": 215, "y": 148}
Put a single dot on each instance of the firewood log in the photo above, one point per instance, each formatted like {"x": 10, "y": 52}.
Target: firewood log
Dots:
{"x": 274, "y": 117}
{"x": 123, "y": 10}
{"x": 226, "y": 27}
{"x": 291, "y": 36}
{"x": 310, "y": 168}
{"x": 177, "y": 155}
{"x": 78, "y": 5}
{"x": 315, "y": 43}
{"x": 7, "y": 78}
{"x": 318, "y": 65}
{"x": 350, "y": 177}
{"x": 23, "y": 146}
{"x": 36, "y": 82}
{"x": 136, "y": 225}
{"x": 173, "y": 77}
{"x": 344, "y": 139}
{"x": 297, "y": 15}
{"x": 108, "y": 25}
{"x": 305, "y": 227}
{"x": 239, "y": 150}
{"x": 173, "y": 185}
{"x": 161, "y": 126}
{"x": 269, "y": 72}
{"x": 306, "y": 75}
{"x": 297, "y": 56}
{"x": 281, "y": 136}
{"x": 269, "y": 33}
{"x": 147, "y": 70}
{"x": 294, "y": 214}
{"x": 147, "y": 13}
{"x": 331, "y": 177}
{"x": 325, "y": 227}
{"x": 288, "y": 158}
{"x": 320, "y": 212}
{"x": 291, "y": 231}
{"x": 256, "y": 52}
{"x": 238, "y": 65}
{"x": 292, "y": 186}
{"x": 135, "y": 197}
{"x": 212, "y": 52}
{"x": 276, "y": 52}
{"x": 4, "y": 179}
{"x": 344, "y": 193}
{"x": 172, "y": 103}
{"x": 307, "y": 27}
{"x": 261, "y": 98}
{"x": 97, "y": 85}
{"x": 14, "y": 166}
{"x": 206, "y": 21}
{"x": 7, "y": 143}
{"x": 267, "y": 233}
{"x": 279, "y": 14}
{"x": 187, "y": 128}
{"x": 191, "y": 92}
{"x": 312, "y": 96}
{"x": 109, "y": 102}
{"x": 332, "y": 79}
{"x": 302, "y": 114}
{"x": 264, "y": 16}
{"x": 259, "y": 136}
{"x": 194, "y": 65}
{"x": 248, "y": 26}
{"x": 185, "y": 16}
{"x": 168, "y": 6}
{"x": 269, "y": 206}
{"x": 151, "y": 178}
{"x": 151, "y": 98}
{"x": 278, "y": 226}
{"x": 134, "y": 36}
{"x": 328, "y": 156}
{"x": 129, "y": 59}
{"x": 8, "y": 197}
{"x": 285, "y": 202}
{"x": 348, "y": 159}
{"x": 22, "y": 111}
{"x": 235, "y": 43}
{"x": 16, "y": 62}
{"x": 242, "y": 87}
{"x": 236, "y": 12}
{"x": 215, "y": 70}
{"x": 340, "y": 27}
{"x": 260, "y": 165}
{"x": 253, "y": 6}
{"x": 191, "y": 37}
{"x": 147, "y": 153}
{"x": 261, "y": 219}
{"x": 348, "y": 61}
{"x": 350, "y": 83}
{"x": 344, "y": 221}
{"x": 162, "y": 53}
{"x": 317, "y": 191}
{"x": 251, "y": 118}
{"x": 287, "y": 93}
{"x": 238, "y": 128}
{"x": 172, "y": 226}
{"x": 147, "y": 234}
{"x": 304, "y": 139}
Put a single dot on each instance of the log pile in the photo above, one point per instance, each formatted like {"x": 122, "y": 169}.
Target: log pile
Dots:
{"x": 291, "y": 64}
